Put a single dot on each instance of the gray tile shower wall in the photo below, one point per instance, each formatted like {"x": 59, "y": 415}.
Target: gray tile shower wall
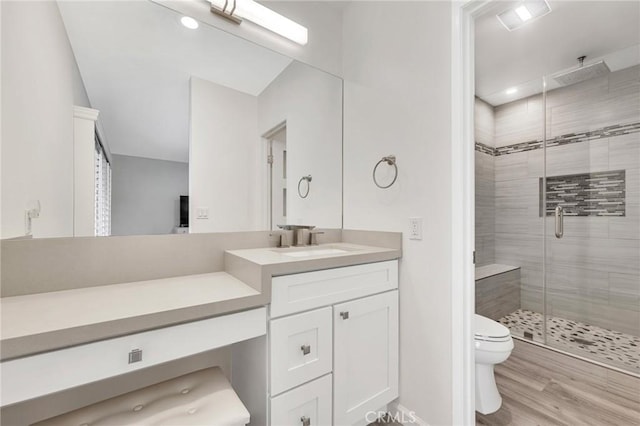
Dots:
{"x": 485, "y": 187}
{"x": 605, "y": 132}
{"x": 593, "y": 272}
{"x": 485, "y": 210}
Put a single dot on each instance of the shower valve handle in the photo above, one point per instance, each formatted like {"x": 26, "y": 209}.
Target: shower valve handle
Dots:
{"x": 559, "y": 222}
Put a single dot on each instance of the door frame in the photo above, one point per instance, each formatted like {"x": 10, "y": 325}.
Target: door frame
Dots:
{"x": 266, "y": 174}
{"x": 463, "y": 14}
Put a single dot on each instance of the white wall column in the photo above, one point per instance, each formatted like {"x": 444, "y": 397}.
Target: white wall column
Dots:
{"x": 84, "y": 215}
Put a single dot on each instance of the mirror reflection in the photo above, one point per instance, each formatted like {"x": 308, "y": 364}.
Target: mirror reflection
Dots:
{"x": 178, "y": 127}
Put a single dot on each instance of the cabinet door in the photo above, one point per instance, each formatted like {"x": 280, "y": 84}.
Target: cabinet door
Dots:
{"x": 365, "y": 356}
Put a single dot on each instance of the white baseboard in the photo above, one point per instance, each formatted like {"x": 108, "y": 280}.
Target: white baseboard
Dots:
{"x": 406, "y": 417}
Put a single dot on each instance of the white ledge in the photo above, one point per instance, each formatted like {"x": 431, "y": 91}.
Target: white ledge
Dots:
{"x": 86, "y": 113}
{"x": 493, "y": 269}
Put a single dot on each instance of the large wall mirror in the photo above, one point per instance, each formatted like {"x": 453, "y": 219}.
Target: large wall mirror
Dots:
{"x": 196, "y": 130}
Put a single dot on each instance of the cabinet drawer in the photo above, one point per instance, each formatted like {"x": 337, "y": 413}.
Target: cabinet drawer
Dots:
{"x": 310, "y": 404}
{"x": 38, "y": 375}
{"x": 301, "y": 348}
{"x": 301, "y": 292}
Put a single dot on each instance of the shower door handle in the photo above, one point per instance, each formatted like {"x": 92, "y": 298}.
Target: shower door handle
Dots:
{"x": 559, "y": 222}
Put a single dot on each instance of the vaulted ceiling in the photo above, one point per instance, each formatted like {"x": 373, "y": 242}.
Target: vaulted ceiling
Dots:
{"x": 136, "y": 59}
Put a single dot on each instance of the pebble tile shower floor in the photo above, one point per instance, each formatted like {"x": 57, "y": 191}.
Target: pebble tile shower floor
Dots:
{"x": 610, "y": 347}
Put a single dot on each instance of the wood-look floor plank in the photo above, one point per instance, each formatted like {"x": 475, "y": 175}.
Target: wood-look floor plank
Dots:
{"x": 543, "y": 387}
{"x": 590, "y": 408}
{"x": 514, "y": 412}
{"x": 623, "y": 385}
{"x": 528, "y": 374}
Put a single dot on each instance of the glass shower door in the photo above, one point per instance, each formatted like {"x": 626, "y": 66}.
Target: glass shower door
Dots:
{"x": 590, "y": 201}
{"x": 509, "y": 226}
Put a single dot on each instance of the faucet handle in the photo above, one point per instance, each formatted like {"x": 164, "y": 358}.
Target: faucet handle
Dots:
{"x": 313, "y": 234}
{"x": 284, "y": 240}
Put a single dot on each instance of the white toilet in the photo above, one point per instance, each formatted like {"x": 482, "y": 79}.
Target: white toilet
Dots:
{"x": 493, "y": 344}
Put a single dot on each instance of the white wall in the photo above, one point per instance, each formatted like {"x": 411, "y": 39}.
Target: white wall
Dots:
{"x": 397, "y": 100}
{"x": 223, "y": 159}
{"x": 145, "y": 195}
{"x": 40, "y": 85}
{"x": 310, "y": 101}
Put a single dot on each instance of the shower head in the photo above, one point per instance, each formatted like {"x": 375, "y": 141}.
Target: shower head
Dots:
{"x": 582, "y": 73}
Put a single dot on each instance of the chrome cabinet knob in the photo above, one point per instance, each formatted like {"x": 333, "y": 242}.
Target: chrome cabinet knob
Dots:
{"x": 344, "y": 315}
{"x": 306, "y": 421}
{"x": 306, "y": 349}
{"x": 135, "y": 356}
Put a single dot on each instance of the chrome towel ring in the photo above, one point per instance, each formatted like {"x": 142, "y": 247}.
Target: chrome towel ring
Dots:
{"x": 390, "y": 160}
{"x": 302, "y": 179}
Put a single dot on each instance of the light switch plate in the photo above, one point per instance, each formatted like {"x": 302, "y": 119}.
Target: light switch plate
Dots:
{"x": 415, "y": 228}
{"x": 202, "y": 213}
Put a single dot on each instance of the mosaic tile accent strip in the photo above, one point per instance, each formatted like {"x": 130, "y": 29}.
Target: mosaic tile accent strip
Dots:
{"x": 569, "y": 138}
{"x": 610, "y": 347}
{"x": 486, "y": 149}
{"x": 586, "y": 194}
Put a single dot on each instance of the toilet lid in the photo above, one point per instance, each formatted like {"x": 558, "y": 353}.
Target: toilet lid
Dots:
{"x": 490, "y": 329}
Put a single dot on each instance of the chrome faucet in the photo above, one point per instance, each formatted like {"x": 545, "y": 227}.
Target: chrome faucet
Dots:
{"x": 299, "y": 232}
{"x": 313, "y": 237}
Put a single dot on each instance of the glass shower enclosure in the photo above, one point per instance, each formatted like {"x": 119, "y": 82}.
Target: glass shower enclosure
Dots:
{"x": 566, "y": 182}
{"x": 590, "y": 197}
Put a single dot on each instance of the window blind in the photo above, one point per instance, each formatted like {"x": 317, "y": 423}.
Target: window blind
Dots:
{"x": 102, "y": 191}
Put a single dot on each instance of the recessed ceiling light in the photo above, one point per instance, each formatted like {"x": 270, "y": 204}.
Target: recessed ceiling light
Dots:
{"x": 189, "y": 22}
{"x": 511, "y": 90}
{"x": 526, "y": 11}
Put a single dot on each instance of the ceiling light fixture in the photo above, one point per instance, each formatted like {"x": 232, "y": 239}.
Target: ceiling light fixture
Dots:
{"x": 511, "y": 90}
{"x": 237, "y": 10}
{"x": 524, "y": 12}
{"x": 189, "y": 22}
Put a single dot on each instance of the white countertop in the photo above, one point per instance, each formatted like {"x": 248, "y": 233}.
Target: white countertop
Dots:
{"x": 47, "y": 312}
{"x": 277, "y": 256}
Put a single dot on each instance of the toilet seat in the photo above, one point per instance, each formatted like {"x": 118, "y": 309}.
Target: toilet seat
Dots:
{"x": 487, "y": 330}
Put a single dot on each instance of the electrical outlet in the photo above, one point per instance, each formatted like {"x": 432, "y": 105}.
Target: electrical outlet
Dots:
{"x": 202, "y": 213}
{"x": 415, "y": 228}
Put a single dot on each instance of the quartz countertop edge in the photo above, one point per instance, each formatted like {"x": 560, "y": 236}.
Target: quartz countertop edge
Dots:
{"x": 257, "y": 266}
{"x": 278, "y": 259}
{"x": 44, "y": 322}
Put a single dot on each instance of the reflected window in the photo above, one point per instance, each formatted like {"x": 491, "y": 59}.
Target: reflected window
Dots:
{"x": 102, "y": 191}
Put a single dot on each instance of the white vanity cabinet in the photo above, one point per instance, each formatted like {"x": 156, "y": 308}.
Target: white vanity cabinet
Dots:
{"x": 331, "y": 348}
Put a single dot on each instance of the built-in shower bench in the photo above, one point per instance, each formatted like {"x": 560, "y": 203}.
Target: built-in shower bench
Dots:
{"x": 497, "y": 290}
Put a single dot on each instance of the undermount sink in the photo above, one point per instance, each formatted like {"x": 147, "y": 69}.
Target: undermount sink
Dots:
{"x": 313, "y": 252}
